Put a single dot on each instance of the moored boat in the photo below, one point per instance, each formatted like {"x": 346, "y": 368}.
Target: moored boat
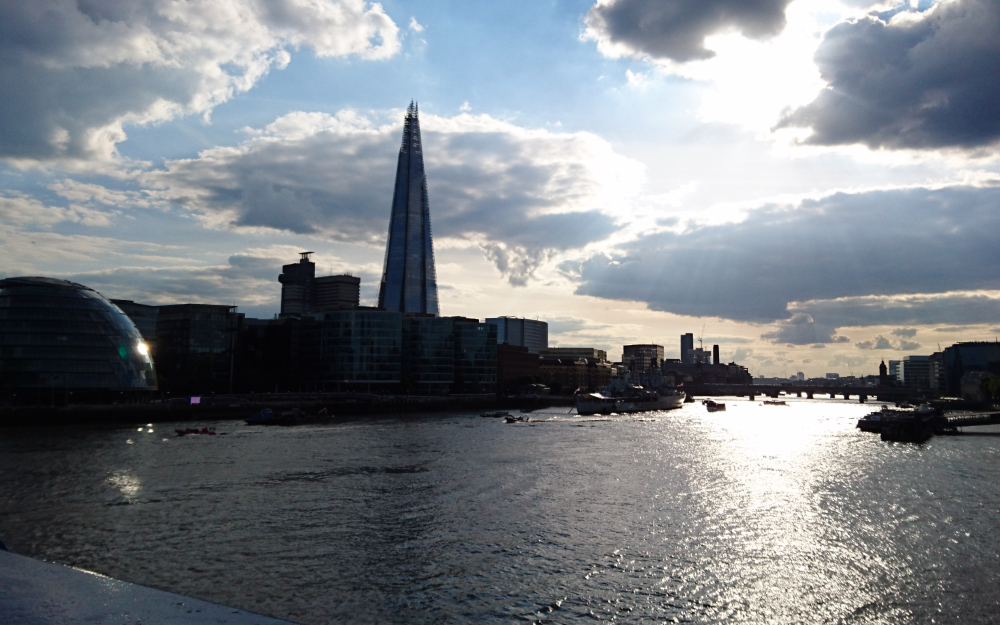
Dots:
{"x": 876, "y": 421}
{"x": 914, "y": 428}
{"x": 628, "y": 399}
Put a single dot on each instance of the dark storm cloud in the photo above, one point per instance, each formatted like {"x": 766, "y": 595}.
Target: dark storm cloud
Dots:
{"x": 847, "y": 259}
{"x": 961, "y": 309}
{"x": 676, "y": 29}
{"x": 925, "y": 83}
{"x": 519, "y": 194}
{"x": 74, "y": 73}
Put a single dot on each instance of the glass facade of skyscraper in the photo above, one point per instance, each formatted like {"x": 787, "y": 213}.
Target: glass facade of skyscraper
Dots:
{"x": 475, "y": 356}
{"x": 343, "y": 349}
{"x": 428, "y": 355}
{"x": 409, "y": 282}
{"x": 529, "y": 333}
{"x": 61, "y": 336}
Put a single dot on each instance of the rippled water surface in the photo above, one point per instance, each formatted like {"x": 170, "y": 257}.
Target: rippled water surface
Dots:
{"x": 760, "y": 514}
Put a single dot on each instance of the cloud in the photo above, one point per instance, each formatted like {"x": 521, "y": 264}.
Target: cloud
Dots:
{"x": 518, "y": 194}
{"x": 917, "y": 80}
{"x": 965, "y": 308}
{"x": 843, "y": 360}
{"x": 636, "y": 80}
{"x": 75, "y": 73}
{"x": 245, "y": 280}
{"x": 906, "y": 332}
{"x": 880, "y": 342}
{"x": 842, "y": 260}
{"x": 675, "y": 30}
{"x": 23, "y": 211}
{"x": 416, "y": 26}
{"x": 802, "y": 330}
{"x": 742, "y": 353}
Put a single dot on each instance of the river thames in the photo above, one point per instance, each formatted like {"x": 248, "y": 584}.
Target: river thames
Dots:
{"x": 760, "y": 514}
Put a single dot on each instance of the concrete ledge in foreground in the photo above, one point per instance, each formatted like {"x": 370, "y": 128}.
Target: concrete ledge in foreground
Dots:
{"x": 33, "y": 592}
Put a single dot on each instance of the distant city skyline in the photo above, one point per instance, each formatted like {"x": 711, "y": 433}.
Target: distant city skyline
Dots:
{"x": 811, "y": 184}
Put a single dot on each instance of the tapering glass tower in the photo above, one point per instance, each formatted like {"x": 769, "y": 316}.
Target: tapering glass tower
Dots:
{"x": 409, "y": 283}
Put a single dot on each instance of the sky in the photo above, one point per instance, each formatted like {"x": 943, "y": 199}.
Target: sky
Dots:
{"x": 813, "y": 185}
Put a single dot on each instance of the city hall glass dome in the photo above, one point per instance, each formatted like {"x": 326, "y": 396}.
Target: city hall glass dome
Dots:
{"x": 61, "y": 335}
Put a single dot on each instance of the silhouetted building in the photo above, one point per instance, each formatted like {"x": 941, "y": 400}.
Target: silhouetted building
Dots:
{"x": 883, "y": 374}
{"x": 475, "y": 356}
{"x": 641, "y": 359}
{"x": 937, "y": 372}
{"x": 195, "y": 348}
{"x": 706, "y": 373}
{"x": 341, "y": 292}
{"x": 715, "y": 354}
{"x": 428, "y": 355}
{"x": 352, "y": 350}
{"x": 267, "y": 356}
{"x": 575, "y": 353}
{"x": 687, "y": 346}
{"x": 297, "y": 286}
{"x": 963, "y": 358}
{"x": 62, "y": 342}
{"x": 516, "y": 367}
{"x": 915, "y": 372}
{"x": 565, "y": 376}
{"x": 144, "y": 318}
{"x": 409, "y": 282}
{"x": 894, "y": 371}
{"x": 529, "y": 333}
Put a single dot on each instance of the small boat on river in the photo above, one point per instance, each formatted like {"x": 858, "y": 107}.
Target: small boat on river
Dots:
{"x": 495, "y": 415}
{"x": 206, "y": 431}
{"x": 714, "y": 406}
{"x": 775, "y": 402}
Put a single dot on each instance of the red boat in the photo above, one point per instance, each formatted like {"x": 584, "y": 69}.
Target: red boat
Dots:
{"x": 208, "y": 431}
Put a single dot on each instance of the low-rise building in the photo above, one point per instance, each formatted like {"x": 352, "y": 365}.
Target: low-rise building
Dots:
{"x": 516, "y": 367}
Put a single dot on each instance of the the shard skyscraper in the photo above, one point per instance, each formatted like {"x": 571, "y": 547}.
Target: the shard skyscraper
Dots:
{"x": 409, "y": 283}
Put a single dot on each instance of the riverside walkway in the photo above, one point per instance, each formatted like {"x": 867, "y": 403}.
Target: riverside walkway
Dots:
{"x": 33, "y": 592}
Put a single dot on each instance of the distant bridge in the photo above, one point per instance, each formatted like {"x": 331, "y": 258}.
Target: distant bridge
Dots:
{"x": 862, "y": 393}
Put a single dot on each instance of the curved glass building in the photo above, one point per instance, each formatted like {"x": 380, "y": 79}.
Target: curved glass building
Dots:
{"x": 58, "y": 337}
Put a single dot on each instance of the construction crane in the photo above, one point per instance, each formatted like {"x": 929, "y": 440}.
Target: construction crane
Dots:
{"x": 701, "y": 344}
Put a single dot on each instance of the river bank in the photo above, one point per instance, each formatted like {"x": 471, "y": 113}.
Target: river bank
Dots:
{"x": 242, "y": 406}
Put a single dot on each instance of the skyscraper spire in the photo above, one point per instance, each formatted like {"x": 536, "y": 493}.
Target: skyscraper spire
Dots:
{"x": 409, "y": 282}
